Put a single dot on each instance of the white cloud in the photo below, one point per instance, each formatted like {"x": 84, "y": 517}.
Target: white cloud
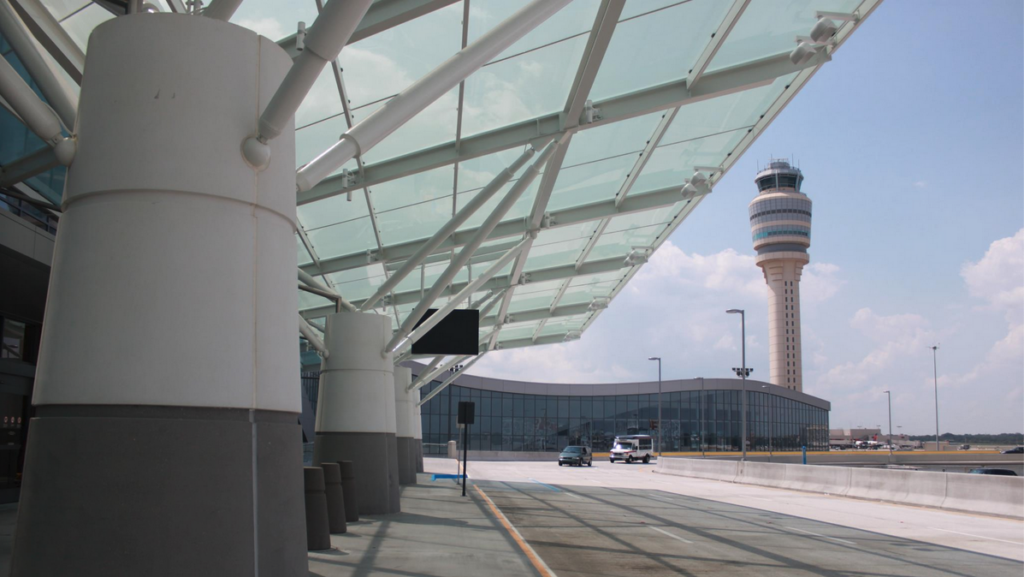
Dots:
{"x": 819, "y": 282}
{"x": 999, "y": 276}
{"x": 921, "y": 184}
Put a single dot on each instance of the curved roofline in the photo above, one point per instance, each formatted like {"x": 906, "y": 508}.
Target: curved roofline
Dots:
{"x": 637, "y": 388}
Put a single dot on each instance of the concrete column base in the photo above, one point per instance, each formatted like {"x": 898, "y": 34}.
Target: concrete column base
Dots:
{"x": 161, "y": 491}
{"x": 406, "y": 461}
{"x": 375, "y": 458}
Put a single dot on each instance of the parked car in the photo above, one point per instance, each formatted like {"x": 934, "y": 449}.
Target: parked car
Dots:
{"x": 1014, "y": 451}
{"x": 988, "y": 471}
{"x": 576, "y": 455}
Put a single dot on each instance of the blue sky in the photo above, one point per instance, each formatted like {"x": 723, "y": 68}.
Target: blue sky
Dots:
{"x": 911, "y": 144}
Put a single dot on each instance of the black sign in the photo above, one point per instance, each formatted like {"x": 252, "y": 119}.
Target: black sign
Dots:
{"x": 467, "y": 413}
{"x": 457, "y": 334}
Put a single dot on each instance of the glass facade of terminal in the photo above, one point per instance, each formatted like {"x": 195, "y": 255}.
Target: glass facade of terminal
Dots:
{"x": 692, "y": 420}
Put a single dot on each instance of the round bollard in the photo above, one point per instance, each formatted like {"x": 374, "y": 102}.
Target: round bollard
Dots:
{"x": 348, "y": 489}
{"x": 335, "y": 497}
{"x": 318, "y": 531}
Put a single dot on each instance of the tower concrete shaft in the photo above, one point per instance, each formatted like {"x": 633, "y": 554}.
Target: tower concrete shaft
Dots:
{"x": 780, "y": 223}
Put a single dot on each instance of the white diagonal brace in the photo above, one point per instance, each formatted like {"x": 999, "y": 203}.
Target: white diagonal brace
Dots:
{"x": 463, "y": 294}
{"x": 737, "y": 78}
{"x": 428, "y": 247}
{"x": 444, "y": 384}
{"x": 597, "y": 44}
{"x": 427, "y": 376}
{"x": 27, "y": 166}
{"x": 467, "y": 251}
{"x": 716, "y": 41}
{"x": 306, "y": 330}
{"x": 222, "y": 9}
{"x": 383, "y": 15}
{"x": 422, "y": 93}
{"x": 57, "y": 94}
{"x": 328, "y": 35}
{"x": 52, "y": 36}
{"x": 645, "y": 154}
{"x": 37, "y": 116}
{"x": 569, "y": 216}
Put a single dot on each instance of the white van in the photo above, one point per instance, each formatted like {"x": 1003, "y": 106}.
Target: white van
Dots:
{"x": 631, "y": 448}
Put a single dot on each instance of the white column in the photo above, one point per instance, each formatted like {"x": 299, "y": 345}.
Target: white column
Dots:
{"x": 355, "y": 415}
{"x": 166, "y": 394}
{"x": 405, "y": 417}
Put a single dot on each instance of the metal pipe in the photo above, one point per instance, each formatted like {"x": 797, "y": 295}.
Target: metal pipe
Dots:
{"x": 222, "y": 9}
{"x": 449, "y": 228}
{"x": 467, "y": 251}
{"x": 490, "y": 306}
{"x": 935, "y": 368}
{"x": 63, "y": 101}
{"x": 21, "y": 169}
{"x": 429, "y": 367}
{"x": 307, "y": 331}
{"x": 397, "y": 111}
{"x": 472, "y": 287}
{"x": 324, "y": 41}
{"x": 448, "y": 381}
{"x": 427, "y": 377}
{"x": 311, "y": 283}
{"x": 36, "y": 115}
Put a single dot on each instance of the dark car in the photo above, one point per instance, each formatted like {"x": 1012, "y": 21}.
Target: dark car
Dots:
{"x": 1014, "y": 451}
{"x": 575, "y": 455}
{"x": 987, "y": 471}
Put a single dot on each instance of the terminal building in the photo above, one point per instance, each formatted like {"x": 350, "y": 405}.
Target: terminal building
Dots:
{"x": 192, "y": 212}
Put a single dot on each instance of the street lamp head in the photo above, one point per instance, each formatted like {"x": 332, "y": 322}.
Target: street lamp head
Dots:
{"x": 653, "y": 358}
{"x": 735, "y": 311}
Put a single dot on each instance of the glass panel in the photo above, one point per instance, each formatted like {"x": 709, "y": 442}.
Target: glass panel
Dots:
{"x": 556, "y": 254}
{"x": 429, "y": 185}
{"x": 617, "y": 138}
{"x": 576, "y": 18}
{"x": 516, "y": 331}
{"x": 522, "y": 87}
{"x": 274, "y": 19}
{"x": 597, "y": 278}
{"x": 414, "y": 222}
{"x": 434, "y": 125}
{"x": 333, "y": 210}
{"x": 478, "y": 172}
{"x": 343, "y": 238}
{"x": 520, "y": 209}
{"x": 586, "y": 293}
{"x": 63, "y": 8}
{"x": 671, "y": 164}
{"x": 356, "y": 288}
{"x": 589, "y": 183}
{"x": 386, "y": 63}
{"x": 322, "y": 101}
{"x": 724, "y": 113}
{"x": 657, "y": 48}
{"x": 620, "y": 243}
{"x": 640, "y": 219}
{"x": 530, "y": 301}
{"x": 80, "y": 25}
{"x": 770, "y": 27}
{"x": 303, "y": 255}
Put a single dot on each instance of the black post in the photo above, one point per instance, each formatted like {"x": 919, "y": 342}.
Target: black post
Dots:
{"x": 465, "y": 455}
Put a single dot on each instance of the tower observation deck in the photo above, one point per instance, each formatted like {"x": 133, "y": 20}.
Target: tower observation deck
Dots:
{"x": 780, "y": 226}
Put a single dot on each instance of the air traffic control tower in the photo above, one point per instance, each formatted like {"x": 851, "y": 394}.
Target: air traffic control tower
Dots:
{"x": 780, "y": 225}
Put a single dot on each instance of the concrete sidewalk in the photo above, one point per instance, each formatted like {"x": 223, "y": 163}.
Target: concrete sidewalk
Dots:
{"x": 438, "y": 533}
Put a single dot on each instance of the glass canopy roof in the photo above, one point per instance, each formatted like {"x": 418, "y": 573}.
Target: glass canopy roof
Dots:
{"x": 676, "y": 87}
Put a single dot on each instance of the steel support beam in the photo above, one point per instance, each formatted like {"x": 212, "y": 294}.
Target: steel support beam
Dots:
{"x": 444, "y": 384}
{"x": 28, "y": 166}
{"x": 57, "y": 95}
{"x": 428, "y": 376}
{"x": 382, "y": 16}
{"x": 717, "y": 39}
{"x": 745, "y": 76}
{"x": 503, "y": 282}
{"x": 543, "y": 314}
{"x": 510, "y": 228}
{"x": 398, "y": 110}
{"x": 52, "y": 36}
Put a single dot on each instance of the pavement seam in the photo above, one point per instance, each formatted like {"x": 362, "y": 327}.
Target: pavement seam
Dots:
{"x": 532, "y": 555}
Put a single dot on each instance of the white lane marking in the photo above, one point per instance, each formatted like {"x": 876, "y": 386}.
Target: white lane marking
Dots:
{"x": 676, "y": 537}
{"x": 978, "y": 536}
{"x": 823, "y": 536}
{"x": 573, "y": 495}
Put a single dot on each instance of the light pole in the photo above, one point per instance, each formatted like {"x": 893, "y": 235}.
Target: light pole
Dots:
{"x": 769, "y": 422}
{"x": 889, "y": 395}
{"x": 700, "y": 414}
{"x": 935, "y": 368}
{"x": 659, "y": 403}
{"x": 743, "y": 375}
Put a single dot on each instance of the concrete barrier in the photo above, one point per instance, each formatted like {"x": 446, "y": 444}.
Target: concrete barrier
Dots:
{"x": 829, "y": 480}
{"x": 991, "y": 494}
{"x": 987, "y": 494}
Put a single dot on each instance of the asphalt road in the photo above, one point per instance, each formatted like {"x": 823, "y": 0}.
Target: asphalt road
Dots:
{"x": 587, "y": 530}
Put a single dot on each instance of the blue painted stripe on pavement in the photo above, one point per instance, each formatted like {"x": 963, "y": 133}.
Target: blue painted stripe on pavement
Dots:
{"x": 556, "y": 489}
